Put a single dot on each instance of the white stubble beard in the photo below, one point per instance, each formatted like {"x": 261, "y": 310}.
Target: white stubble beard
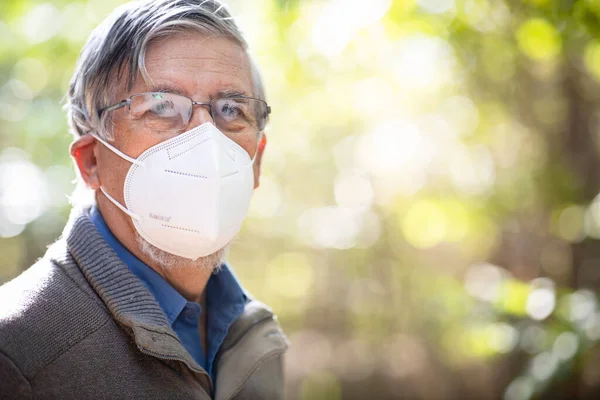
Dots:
{"x": 210, "y": 263}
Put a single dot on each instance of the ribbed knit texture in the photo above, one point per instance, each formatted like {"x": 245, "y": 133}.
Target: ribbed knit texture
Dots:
{"x": 128, "y": 300}
{"x": 126, "y": 297}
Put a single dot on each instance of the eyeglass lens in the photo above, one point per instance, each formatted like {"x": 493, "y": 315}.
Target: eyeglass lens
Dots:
{"x": 169, "y": 112}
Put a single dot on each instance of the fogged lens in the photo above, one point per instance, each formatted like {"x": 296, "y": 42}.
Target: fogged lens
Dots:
{"x": 161, "y": 112}
{"x": 239, "y": 114}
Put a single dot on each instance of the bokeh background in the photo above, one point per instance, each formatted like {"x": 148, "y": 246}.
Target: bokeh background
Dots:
{"x": 427, "y": 223}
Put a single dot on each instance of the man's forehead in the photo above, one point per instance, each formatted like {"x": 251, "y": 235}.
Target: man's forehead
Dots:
{"x": 193, "y": 64}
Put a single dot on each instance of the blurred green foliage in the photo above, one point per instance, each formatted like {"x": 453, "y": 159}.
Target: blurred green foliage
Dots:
{"x": 427, "y": 221}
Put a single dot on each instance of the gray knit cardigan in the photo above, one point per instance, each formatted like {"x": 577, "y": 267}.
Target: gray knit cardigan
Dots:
{"x": 79, "y": 325}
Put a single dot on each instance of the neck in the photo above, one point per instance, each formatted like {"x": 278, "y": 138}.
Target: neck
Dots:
{"x": 188, "y": 277}
{"x": 189, "y": 282}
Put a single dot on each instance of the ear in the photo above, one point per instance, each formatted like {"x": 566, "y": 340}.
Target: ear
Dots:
{"x": 83, "y": 152}
{"x": 261, "y": 148}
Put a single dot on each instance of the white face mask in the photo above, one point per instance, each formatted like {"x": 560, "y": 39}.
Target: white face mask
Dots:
{"x": 188, "y": 195}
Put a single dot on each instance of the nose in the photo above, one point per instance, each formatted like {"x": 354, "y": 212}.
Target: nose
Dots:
{"x": 200, "y": 115}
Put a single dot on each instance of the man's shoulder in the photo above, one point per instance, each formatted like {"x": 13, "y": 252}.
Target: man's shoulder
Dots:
{"x": 255, "y": 342}
{"x": 255, "y": 315}
{"x": 44, "y": 312}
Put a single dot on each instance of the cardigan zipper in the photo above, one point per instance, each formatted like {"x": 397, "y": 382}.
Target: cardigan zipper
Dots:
{"x": 167, "y": 357}
{"x": 172, "y": 358}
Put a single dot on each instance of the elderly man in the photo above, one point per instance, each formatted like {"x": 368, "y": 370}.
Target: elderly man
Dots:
{"x": 134, "y": 301}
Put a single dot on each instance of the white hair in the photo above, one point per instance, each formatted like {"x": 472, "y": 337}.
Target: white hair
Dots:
{"x": 116, "y": 51}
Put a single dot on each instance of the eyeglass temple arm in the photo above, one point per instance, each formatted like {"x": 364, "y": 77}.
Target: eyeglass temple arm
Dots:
{"x": 120, "y": 104}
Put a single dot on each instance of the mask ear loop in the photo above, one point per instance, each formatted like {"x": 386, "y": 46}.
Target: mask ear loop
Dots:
{"x": 126, "y": 157}
{"x": 116, "y": 203}
{"x": 117, "y": 151}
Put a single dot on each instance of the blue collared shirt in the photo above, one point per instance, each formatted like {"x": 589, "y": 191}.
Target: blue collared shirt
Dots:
{"x": 225, "y": 300}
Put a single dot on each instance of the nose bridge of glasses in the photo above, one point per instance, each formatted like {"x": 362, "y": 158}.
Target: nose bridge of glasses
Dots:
{"x": 201, "y": 114}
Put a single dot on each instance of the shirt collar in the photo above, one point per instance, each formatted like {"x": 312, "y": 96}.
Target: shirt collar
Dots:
{"x": 223, "y": 290}
{"x": 225, "y": 300}
{"x": 169, "y": 299}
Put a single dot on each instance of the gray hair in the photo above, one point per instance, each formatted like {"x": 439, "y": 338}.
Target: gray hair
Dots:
{"x": 118, "y": 46}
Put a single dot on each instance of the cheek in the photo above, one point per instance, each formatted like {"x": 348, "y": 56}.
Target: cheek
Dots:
{"x": 134, "y": 143}
{"x": 112, "y": 171}
{"x": 133, "y": 139}
{"x": 250, "y": 144}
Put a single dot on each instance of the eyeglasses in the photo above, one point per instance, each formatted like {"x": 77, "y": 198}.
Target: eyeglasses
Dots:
{"x": 170, "y": 112}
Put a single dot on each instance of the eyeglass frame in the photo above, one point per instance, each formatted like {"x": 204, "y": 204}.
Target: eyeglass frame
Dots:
{"x": 127, "y": 102}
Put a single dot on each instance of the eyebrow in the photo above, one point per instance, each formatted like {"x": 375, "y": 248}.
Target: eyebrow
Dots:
{"x": 166, "y": 89}
{"x": 230, "y": 92}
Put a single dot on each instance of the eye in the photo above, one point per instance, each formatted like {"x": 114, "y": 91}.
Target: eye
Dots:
{"x": 236, "y": 115}
{"x": 230, "y": 110}
{"x": 163, "y": 108}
